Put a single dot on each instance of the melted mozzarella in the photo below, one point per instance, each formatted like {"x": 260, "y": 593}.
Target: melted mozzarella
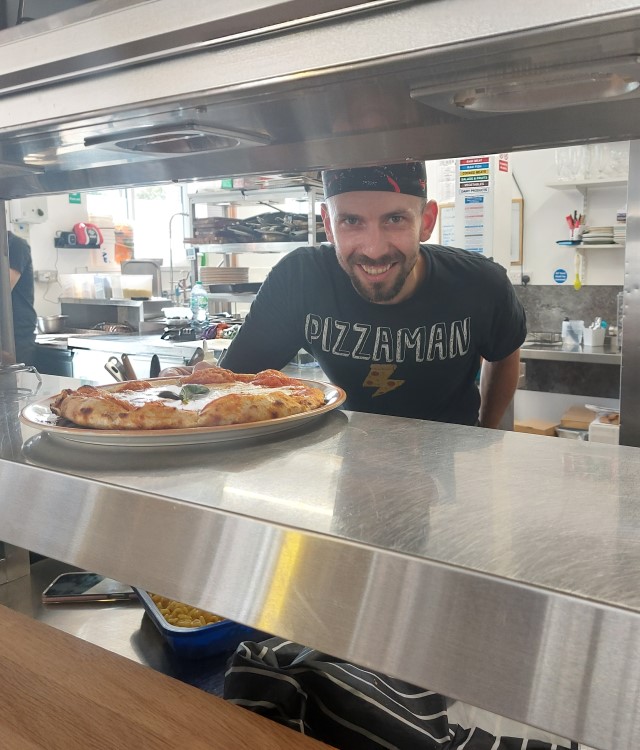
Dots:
{"x": 198, "y": 402}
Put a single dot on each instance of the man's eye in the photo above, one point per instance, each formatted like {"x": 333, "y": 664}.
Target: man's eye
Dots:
{"x": 396, "y": 219}
{"x": 351, "y": 220}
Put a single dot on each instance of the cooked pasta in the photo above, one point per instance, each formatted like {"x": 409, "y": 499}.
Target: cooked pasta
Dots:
{"x": 183, "y": 615}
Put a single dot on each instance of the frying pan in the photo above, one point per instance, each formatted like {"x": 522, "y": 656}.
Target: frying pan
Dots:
{"x": 273, "y": 237}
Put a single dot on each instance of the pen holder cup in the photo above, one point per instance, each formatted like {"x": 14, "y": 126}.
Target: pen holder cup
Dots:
{"x": 593, "y": 336}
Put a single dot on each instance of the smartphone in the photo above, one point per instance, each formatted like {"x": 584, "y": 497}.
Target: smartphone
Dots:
{"x": 86, "y": 587}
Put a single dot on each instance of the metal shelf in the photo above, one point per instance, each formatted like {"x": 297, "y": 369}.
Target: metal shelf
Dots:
{"x": 248, "y": 247}
{"x": 235, "y": 297}
{"x": 307, "y": 194}
{"x": 519, "y": 597}
{"x": 255, "y": 196}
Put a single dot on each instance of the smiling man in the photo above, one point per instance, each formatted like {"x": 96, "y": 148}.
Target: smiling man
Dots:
{"x": 401, "y": 325}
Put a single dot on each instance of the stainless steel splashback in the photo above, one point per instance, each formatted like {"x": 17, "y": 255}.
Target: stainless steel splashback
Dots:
{"x": 120, "y": 93}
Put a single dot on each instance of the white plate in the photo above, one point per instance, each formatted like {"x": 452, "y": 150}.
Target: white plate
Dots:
{"x": 40, "y": 416}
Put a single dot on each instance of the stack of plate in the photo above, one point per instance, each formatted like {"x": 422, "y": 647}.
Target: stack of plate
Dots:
{"x": 224, "y": 275}
{"x": 620, "y": 233}
{"x": 598, "y": 236}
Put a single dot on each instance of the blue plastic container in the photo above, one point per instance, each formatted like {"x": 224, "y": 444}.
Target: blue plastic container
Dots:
{"x": 194, "y": 643}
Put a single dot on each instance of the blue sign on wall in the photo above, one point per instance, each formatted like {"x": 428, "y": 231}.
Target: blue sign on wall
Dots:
{"x": 560, "y": 276}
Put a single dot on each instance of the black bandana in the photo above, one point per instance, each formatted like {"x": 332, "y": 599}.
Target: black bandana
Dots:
{"x": 409, "y": 178}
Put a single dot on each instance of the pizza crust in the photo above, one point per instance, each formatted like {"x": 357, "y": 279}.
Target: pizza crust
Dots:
{"x": 231, "y": 399}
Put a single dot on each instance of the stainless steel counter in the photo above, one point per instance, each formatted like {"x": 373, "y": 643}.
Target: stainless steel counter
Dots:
{"x": 498, "y": 568}
{"x": 572, "y": 353}
{"x": 133, "y": 344}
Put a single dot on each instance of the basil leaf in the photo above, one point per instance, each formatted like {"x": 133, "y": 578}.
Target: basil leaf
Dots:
{"x": 192, "y": 391}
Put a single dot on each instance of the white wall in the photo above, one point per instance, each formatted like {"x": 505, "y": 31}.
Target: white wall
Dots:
{"x": 545, "y": 209}
{"x": 62, "y": 215}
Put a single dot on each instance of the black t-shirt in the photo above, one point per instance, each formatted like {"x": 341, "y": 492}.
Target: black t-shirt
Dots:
{"x": 418, "y": 358}
{"x": 24, "y": 314}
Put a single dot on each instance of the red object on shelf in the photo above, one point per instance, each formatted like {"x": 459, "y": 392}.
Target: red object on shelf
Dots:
{"x": 88, "y": 235}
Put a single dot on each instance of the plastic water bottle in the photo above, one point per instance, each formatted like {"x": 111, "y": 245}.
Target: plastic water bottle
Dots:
{"x": 199, "y": 303}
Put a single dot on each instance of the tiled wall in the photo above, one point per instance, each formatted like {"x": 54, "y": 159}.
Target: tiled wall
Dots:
{"x": 548, "y": 306}
{"x": 583, "y": 378}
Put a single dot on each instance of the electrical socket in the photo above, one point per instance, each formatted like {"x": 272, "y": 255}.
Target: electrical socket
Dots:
{"x": 46, "y": 276}
{"x": 515, "y": 276}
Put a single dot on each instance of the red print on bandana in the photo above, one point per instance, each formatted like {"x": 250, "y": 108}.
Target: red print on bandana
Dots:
{"x": 394, "y": 184}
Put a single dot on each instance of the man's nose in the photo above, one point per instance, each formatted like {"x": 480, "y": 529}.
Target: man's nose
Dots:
{"x": 374, "y": 243}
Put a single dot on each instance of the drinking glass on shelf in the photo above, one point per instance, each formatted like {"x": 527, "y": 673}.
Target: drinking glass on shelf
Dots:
{"x": 619, "y": 159}
{"x": 572, "y": 163}
{"x": 599, "y": 157}
{"x": 610, "y": 160}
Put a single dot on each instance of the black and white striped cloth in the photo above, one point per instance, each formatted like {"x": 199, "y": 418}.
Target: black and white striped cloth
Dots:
{"x": 357, "y": 709}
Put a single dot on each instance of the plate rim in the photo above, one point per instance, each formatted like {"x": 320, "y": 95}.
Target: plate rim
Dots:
{"x": 77, "y": 434}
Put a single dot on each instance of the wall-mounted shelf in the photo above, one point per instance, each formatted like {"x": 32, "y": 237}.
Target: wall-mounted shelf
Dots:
{"x": 584, "y": 185}
{"x": 593, "y": 246}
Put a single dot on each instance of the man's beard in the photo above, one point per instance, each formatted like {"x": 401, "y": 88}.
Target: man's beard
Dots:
{"x": 379, "y": 292}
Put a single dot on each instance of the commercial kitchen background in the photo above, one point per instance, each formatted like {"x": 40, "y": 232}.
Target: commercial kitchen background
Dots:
{"x": 159, "y": 232}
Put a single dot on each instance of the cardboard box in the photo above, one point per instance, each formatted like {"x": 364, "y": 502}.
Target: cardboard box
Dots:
{"x": 604, "y": 432}
{"x": 577, "y": 417}
{"x": 535, "y": 426}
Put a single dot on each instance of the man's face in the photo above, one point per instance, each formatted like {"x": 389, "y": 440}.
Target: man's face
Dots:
{"x": 377, "y": 237}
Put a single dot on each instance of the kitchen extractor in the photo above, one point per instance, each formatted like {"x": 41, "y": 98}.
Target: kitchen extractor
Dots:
{"x": 269, "y": 86}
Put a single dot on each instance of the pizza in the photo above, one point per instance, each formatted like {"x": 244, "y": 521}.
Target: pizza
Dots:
{"x": 209, "y": 397}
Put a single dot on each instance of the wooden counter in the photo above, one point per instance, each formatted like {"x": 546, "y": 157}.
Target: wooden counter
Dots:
{"x": 62, "y": 693}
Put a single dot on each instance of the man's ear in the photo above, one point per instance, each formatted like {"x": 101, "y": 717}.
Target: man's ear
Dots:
{"x": 428, "y": 221}
{"x": 326, "y": 220}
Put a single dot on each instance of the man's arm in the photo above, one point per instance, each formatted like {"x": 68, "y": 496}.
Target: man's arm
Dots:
{"x": 273, "y": 330}
{"x": 14, "y": 276}
{"x": 498, "y": 383}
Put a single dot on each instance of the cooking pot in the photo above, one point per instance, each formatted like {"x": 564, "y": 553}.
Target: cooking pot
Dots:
{"x": 51, "y": 323}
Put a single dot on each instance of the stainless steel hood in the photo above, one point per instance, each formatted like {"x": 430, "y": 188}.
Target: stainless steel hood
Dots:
{"x": 277, "y": 86}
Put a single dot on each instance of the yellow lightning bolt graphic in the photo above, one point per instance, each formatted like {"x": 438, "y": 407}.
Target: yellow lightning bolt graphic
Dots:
{"x": 380, "y": 377}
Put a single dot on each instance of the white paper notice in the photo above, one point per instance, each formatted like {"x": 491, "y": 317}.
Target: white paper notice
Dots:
{"x": 474, "y": 223}
{"x": 448, "y": 226}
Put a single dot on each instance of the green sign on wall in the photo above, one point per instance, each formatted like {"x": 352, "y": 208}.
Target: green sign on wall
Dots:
{"x": 75, "y": 198}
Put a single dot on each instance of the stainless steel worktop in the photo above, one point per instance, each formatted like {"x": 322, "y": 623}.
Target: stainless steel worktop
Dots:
{"x": 603, "y": 355}
{"x": 495, "y": 567}
{"x": 132, "y": 344}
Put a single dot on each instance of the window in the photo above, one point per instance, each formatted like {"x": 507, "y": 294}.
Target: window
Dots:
{"x": 148, "y": 210}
